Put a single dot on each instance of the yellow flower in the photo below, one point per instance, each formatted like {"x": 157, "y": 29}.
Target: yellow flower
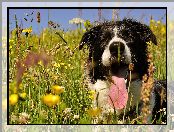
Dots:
{"x": 13, "y": 99}
{"x": 92, "y": 94}
{"x": 56, "y": 89}
{"x": 94, "y": 112}
{"x": 28, "y": 30}
{"x": 22, "y": 95}
{"x": 51, "y": 100}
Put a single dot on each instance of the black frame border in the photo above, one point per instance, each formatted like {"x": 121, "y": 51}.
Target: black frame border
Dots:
{"x": 8, "y": 8}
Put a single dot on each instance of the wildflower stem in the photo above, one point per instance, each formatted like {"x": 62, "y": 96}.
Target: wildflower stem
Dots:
{"x": 61, "y": 37}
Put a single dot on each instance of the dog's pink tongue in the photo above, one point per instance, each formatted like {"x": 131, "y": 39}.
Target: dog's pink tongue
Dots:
{"x": 118, "y": 93}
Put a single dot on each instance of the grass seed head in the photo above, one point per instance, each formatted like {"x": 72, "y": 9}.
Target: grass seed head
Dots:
{"x": 147, "y": 87}
{"x": 38, "y": 17}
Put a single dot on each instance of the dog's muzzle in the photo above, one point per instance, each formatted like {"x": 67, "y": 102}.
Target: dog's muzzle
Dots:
{"x": 116, "y": 48}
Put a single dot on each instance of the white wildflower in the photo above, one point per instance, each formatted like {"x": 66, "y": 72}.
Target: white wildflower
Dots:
{"x": 76, "y": 116}
{"x": 67, "y": 110}
{"x": 76, "y": 21}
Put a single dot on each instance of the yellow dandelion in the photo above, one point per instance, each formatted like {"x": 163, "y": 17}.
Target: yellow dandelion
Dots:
{"x": 23, "y": 95}
{"x": 13, "y": 99}
{"x": 69, "y": 65}
{"x": 51, "y": 100}
{"x": 56, "y": 89}
{"x": 94, "y": 112}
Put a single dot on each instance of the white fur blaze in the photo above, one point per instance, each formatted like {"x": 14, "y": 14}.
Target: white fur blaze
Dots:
{"x": 127, "y": 54}
{"x": 106, "y": 57}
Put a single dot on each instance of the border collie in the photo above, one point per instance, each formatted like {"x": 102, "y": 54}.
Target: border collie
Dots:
{"x": 113, "y": 46}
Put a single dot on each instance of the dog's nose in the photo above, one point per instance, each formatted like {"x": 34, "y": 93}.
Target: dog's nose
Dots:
{"x": 116, "y": 48}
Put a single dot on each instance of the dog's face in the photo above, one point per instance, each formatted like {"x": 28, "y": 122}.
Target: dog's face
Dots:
{"x": 114, "y": 45}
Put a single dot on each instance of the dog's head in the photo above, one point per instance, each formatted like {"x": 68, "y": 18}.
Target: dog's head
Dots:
{"x": 114, "y": 45}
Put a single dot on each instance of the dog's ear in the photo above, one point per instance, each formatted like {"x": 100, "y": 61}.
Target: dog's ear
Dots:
{"x": 145, "y": 33}
{"x": 90, "y": 37}
{"x": 141, "y": 30}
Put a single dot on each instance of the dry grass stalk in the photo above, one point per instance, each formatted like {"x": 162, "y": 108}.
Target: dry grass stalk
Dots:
{"x": 147, "y": 86}
{"x": 38, "y": 17}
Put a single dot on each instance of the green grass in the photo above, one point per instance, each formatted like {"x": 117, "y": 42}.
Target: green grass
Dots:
{"x": 63, "y": 69}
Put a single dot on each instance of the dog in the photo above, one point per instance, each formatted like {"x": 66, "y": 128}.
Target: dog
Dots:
{"x": 113, "y": 46}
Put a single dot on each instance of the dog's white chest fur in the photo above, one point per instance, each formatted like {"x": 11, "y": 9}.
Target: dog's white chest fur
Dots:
{"x": 101, "y": 96}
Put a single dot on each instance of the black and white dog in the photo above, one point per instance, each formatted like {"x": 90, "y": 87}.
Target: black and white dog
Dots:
{"x": 113, "y": 46}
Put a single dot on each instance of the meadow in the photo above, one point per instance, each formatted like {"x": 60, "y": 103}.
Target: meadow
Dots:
{"x": 46, "y": 76}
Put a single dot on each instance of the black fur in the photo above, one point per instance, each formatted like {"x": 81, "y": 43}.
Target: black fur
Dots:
{"x": 136, "y": 36}
{"x": 134, "y": 33}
